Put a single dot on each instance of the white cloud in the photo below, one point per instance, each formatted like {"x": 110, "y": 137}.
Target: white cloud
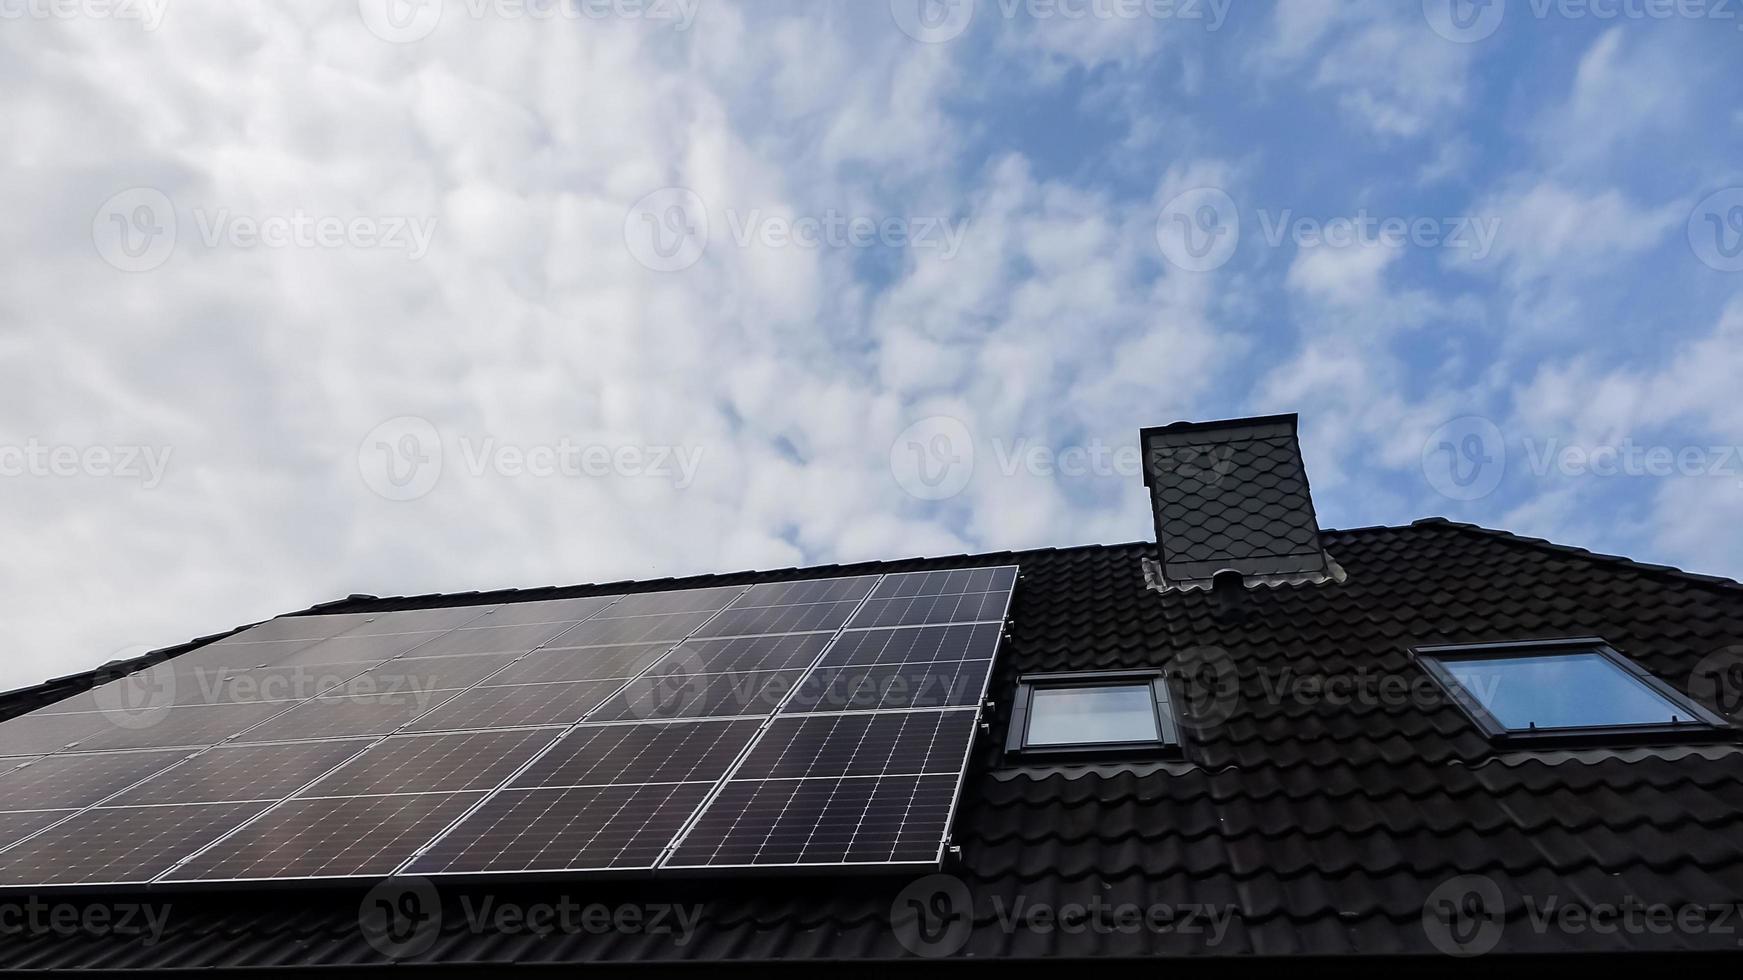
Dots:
{"x": 1547, "y": 228}
{"x": 1388, "y": 72}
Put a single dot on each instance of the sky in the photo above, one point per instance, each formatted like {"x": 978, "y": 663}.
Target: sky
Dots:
{"x": 307, "y": 299}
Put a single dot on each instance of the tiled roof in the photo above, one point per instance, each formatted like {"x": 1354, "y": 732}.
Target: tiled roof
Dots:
{"x": 1316, "y": 824}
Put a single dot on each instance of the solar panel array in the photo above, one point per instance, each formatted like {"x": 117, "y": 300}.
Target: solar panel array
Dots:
{"x": 815, "y": 722}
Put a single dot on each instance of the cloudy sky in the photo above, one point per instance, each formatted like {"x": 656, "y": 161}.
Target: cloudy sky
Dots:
{"x": 310, "y": 298}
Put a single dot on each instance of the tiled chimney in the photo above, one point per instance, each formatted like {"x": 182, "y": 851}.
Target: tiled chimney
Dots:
{"x": 1232, "y": 496}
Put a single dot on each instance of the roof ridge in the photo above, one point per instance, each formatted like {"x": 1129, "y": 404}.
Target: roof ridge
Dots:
{"x": 1544, "y": 544}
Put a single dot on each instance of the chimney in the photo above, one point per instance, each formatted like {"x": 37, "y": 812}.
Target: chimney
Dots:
{"x": 1232, "y": 497}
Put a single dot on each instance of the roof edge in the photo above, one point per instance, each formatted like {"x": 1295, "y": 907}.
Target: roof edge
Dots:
{"x": 1622, "y": 561}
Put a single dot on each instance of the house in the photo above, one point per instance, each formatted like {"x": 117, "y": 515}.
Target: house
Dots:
{"x": 1252, "y": 741}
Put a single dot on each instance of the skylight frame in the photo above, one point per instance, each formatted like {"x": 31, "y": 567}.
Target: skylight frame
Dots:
{"x": 1701, "y": 724}
{"x": 1161, "y": 703}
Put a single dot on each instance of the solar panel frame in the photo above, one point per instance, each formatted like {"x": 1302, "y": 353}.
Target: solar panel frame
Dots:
{"x": 1009, "y": 575}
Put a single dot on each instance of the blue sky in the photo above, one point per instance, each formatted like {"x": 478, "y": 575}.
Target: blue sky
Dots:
{"x": 391, "y": 297}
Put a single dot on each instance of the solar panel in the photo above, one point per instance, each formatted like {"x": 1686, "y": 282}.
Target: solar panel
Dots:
{"x": 240, "y": 773}
{"x": 553, "y": 665}
{"x": 521, "y": 706}
{"x": 415, "y": 620}
{"x": 961, "y": 596}
{"x": 891, "y": 686}
{"x": 741, "y": 653}
{"x": 489, "y": 639}
{"x": 37, "y": 734}
{"x": 304, "y": 627}
{"x": 882, "y": 744}
{"x": 408, "y": 675}
{"x": 780, "y": 619}
{"x": 118, "y": 845}
{"x": 229, "y": 685}
{"x": 78, "y": 781}
{"x": 808, "y": 590}
{"x": 192, "y": 725}
{"x": 687, "y": 751}
{"x": 579, "y": 829}
{"x": 435, "y": 763}
{"x": 670, "y": 603}
{"x": 925, "y": 644}
{"x": 800, "y": 723}
{"x": 240, "y": 654}
{"x": 843, "y": 820}
{"x": 860, "y": 767}
{"x": 347, "y": 649}
{"x": 14, "y": 827}
{"x": 654, "y": 696}
{"x": 334, "y": 716}
{"x": 600, "y": 631}
{"x": 327, "y": 838}
{"x": 552, "y": 611}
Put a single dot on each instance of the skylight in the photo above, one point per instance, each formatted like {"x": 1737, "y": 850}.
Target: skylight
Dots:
{"x": 1091, "y": 712}
{"x": 1561, "y": 688}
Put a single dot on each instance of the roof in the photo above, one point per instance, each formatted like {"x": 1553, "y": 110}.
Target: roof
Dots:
{"x": 1313, "y": 826}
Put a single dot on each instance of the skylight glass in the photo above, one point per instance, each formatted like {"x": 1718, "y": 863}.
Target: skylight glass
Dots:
{"x": 1092, "y": 715}
{"x": 1572, "y": 690}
